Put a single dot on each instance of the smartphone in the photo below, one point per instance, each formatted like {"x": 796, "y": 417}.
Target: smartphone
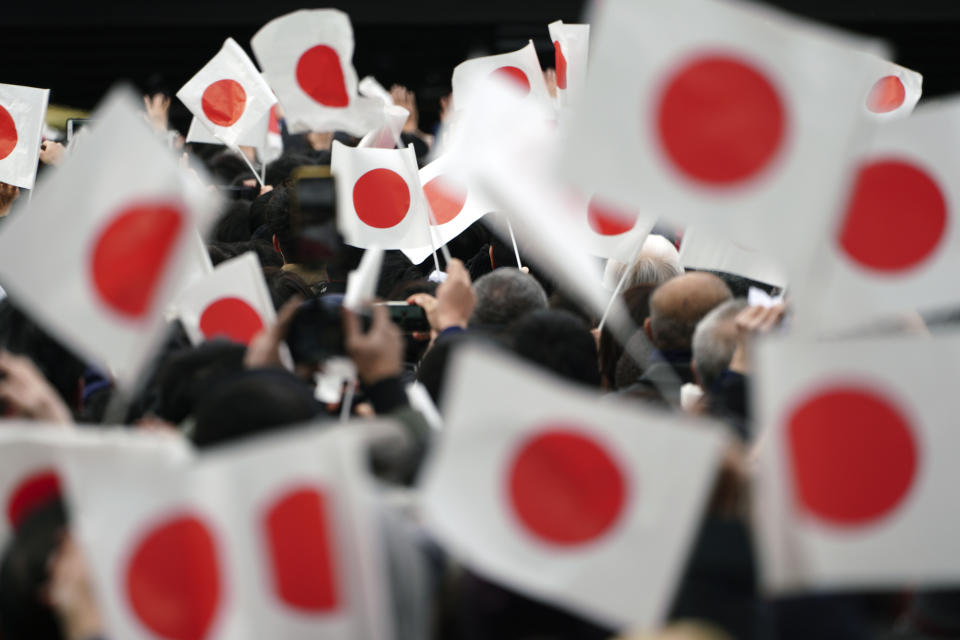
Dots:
{"x": 74, "y": 125}
{"x": 316, "y": 330}
{"x": 410, "y": 318}
{"x": 313, "y": 217}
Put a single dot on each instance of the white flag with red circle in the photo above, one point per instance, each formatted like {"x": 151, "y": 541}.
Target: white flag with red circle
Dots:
{"x": 571, "y": 48}
{"x": 254, "y": 136}
{"x": 455, "y": 206}
{"x": 521, "y": 68}
{"x": 272, "y": 538}
{"x": 23, "y": 111}
{"x": 610, "y": 230}
{"x": 895, "y": 93}
{"x": 579, "y": 503}
{"x": 387, "y": 136}
{"x": 306, "y": 57}
{"x": 113, "y": 224}
{"x": 857, "y": 470}
{"x": 896, "y": 247}
{"x": 743, "y": 120}
{"x": 379, "y": 197}
{"x": 33, "y": 456}
{"x": 230, "y": 97}
{"x": 706, "y": 250}
{"x": 231, "y": 302}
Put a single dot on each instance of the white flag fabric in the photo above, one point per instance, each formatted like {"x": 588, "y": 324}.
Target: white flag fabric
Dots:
{"x": 743, "y": 120}
{"x": 23, "y": 111}
{"x": 379, "y": 197}
{"x": 387, "y": 136}
{"x": 362, "y": 281}
{"x": 113, "y": 223}
{"x": 455, "y": 206}
{"x": 704, "y": 250}
{"x": 521, "y": 68}
{"x": 33, "y": 457}
{"x": 857, "y": 470}
{"x": 895, "y": 93}
{"x": 253, "y": 137}
{"x": 306, "y": 57}
{"x": 230, "y": 97}
{"x": 609, "y": 230}
{"x": 576, "y": 502}
{"x": 897, "y": 246}
{"x": 232, "y": 302}
{"x": 272, "y": 538}
{"x": 571, "y": 48}
{"x": 273, "y": 147}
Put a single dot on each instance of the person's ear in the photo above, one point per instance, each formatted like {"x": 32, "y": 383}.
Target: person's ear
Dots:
{"x": 276, "y": 247}
{"x": 647, "y": 329}
{"x": 490, "y": 253}
{"x": 696, "y": 374}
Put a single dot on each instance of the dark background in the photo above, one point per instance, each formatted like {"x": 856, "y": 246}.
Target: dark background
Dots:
{"x": 79, "y": 49}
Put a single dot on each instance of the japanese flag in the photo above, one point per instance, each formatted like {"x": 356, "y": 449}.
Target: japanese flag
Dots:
{"x": 231, "y": 302}
{"x": 857, "y": 470}
{"x": 273, "y": 147}
{"x": 32, "y": 459}
{"x": 521, "y": 68}
{"x": 113, "y": 225}
{"x": 897, "y": 246}
{"x": 22, "y": 114}
{"x": 379, "y": 198}
{"x": 609, "y": 230}
{"x": 306, "y": 57}
{"x": 455, "y": 206}
{"x": 229, "y": 97}
{"x": 704, "y": 250}
{"x": 272, "y": 538}
{"x": 571, "y": 47}
{"x": 253, "y": 137}
{"x": 895, "y": 93}
{"x": 741, "y": 120}
{"x": 387, "y": 136}
{"x": 576, "y": 502}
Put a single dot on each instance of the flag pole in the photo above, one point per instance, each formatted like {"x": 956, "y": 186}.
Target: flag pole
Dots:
{"x": 430, "y": 221}
{"x": 249, "y": 164}
{"x": 513, "y": 239}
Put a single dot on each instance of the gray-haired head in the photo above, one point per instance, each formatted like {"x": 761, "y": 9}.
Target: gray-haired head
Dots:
{"x": 715, "y": 340}
{"x": 656, "y": 262}
{"x": 506, "y": 294}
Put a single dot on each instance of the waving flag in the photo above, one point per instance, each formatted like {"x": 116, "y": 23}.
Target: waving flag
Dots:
{"x": 571, "y": 47}
{"x": 229, "y": 97}
{"x": 22, "y": 113}
{"x": 573, "y": 501}
{"x": 895, "y": 93}
{"x": 379, "y": 198}
{"x": 521, "y": 68}
{"x": 125, "y": 218}
{"x": 306, "y": 57}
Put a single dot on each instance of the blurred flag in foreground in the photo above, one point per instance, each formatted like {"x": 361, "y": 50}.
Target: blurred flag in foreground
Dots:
{"x": 22, "y": 114}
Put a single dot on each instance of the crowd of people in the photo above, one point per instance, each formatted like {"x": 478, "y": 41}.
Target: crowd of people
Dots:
{"x": 690, "y": 353}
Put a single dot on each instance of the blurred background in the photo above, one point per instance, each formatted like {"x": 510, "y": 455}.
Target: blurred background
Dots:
{"x": 79, "y": 49}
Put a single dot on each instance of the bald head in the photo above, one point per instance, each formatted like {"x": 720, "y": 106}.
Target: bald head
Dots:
{"x": 678, "y": 304}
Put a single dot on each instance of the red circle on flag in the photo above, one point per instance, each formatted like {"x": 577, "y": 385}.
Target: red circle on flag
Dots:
{"x": 230, "y": 318}
{"x": 320, "y": 76}
{"x": 896, "y": 218}
{"x": 446, "y": 197}
{"x": 173, "y": 579}
{"x": 565, "y": 488}
{"x": 8, "y": 133}
{"x": 130, "y": 254}
{"x": 36, "y": 490}
{"x": 223, "y": 102}
{"x": 854, "y": 455}
{"x": 561, "y": 63}
{"x": 302, "y": 554}
{"x": 381, "y": 198}
{"x": 886, "y": 95}
{"x": 515, "y": 75}
{"x": 720, "y": 120}
{"x": 609, "y": 221}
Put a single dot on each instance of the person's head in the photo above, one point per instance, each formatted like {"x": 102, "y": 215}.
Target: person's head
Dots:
{"x": 656, "y": 262}
{"x": 284, "y": 285}
{"x": 677, "y": 305}
{"x": 637, "y": 301}
{"x": 280, "y": 170}
{"x": 251, "y": 402}
{"x": 233, "y": 224}
{"x": 184, "y": 375}
{"x": 505, "y": 295}
{"x": 557, "y": 341}
{"x": 714, "y": 341}
{"x": 279, "y": 223}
